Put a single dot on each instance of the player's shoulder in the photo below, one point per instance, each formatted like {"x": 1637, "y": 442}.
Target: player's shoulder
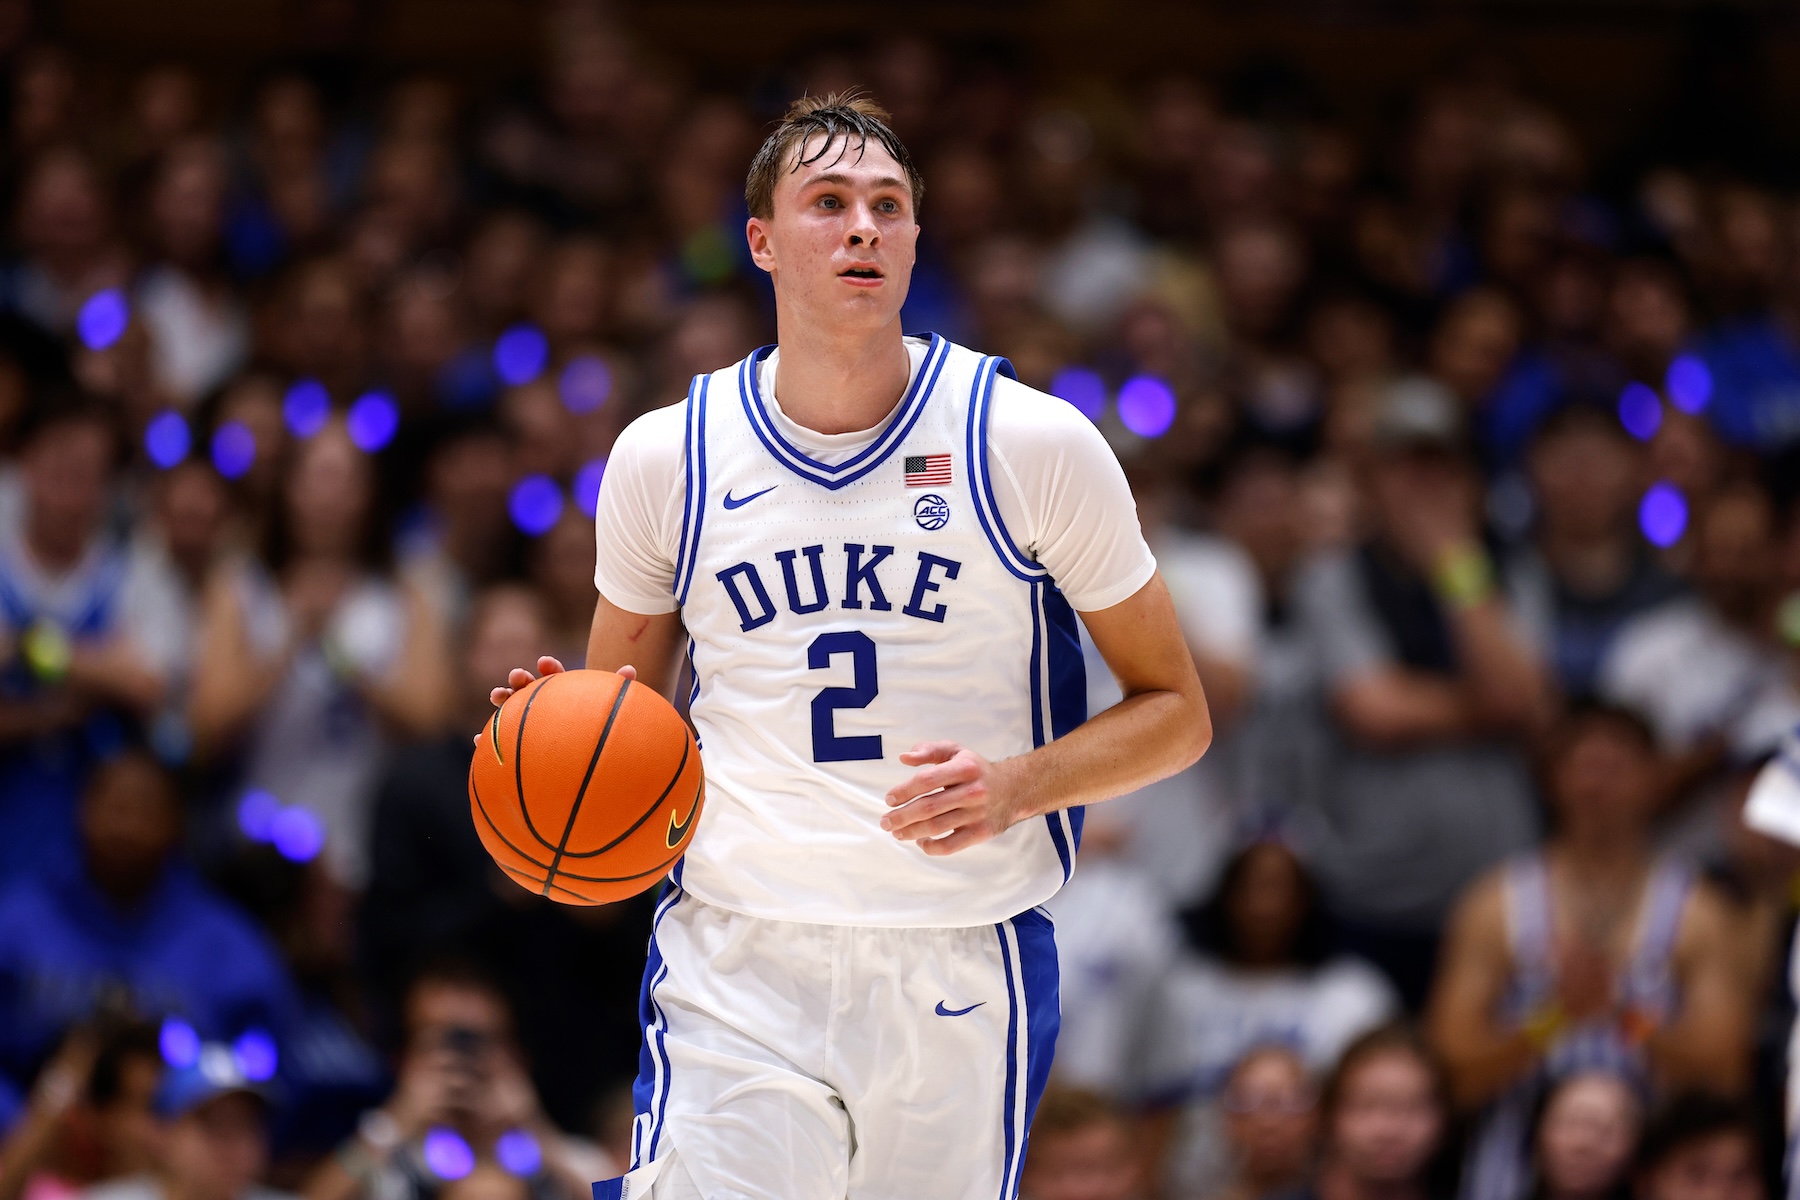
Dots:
{"x": 1023, "y": 420}
{"x": 658, "y": 438}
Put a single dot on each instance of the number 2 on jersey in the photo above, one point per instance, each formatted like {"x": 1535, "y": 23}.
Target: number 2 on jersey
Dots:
{"x": 827, "y": 745}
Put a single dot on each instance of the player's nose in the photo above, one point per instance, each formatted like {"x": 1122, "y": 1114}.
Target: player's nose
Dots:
{"x": 863, "y": 230}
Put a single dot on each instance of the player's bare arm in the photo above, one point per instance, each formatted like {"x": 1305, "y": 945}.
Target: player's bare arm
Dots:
{"x": 618, "y": 641}
{"x": 958, "y": 799}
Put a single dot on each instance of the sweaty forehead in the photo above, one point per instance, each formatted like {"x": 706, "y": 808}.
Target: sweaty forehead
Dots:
{"x": 837, "y": 154}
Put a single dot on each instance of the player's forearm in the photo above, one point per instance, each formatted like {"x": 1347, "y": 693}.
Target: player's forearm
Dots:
{"x": 1146, "y": 737}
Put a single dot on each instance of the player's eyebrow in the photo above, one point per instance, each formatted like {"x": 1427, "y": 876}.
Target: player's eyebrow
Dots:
{"x": 843, "y": 180}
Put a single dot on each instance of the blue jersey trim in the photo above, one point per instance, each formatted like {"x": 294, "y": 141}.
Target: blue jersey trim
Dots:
{"x": 1014, "y": 1138}
{"x": 981, "y": 486}
{"x": 912, "y": 405}
{"x": 1036, "y": 937}
{"x": 687, "y": 482}
{"x": 684, "y": 573}
{"x": 649, "y": 1099}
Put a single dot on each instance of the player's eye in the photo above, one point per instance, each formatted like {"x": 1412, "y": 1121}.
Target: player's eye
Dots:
{"x": 828, "y": 202}
{"x": 890, "y": 207}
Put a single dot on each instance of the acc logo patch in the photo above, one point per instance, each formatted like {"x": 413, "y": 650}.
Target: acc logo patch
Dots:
{"x": 931, "y": 511}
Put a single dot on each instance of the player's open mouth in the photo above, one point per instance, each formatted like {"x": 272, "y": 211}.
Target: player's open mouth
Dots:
{"x": 865, "y": 273}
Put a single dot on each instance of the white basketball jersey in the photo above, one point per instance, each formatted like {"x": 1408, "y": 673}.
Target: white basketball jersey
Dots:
{"x": 837, "y": 616}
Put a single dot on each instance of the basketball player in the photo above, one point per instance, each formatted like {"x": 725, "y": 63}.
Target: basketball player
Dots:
{"x": 871, "y": 548}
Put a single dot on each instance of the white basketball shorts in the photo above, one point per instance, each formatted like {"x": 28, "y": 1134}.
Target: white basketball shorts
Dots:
{"x": 789, "y": 1061}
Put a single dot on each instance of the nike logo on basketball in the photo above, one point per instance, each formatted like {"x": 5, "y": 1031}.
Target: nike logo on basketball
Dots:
{"x": 958, "y": 1012}
{"x": 733, "y": 502}
{"x": 679, "y": 831}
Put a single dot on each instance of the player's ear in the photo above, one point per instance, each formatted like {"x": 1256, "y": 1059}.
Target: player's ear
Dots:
{"x": 756, "y": 232}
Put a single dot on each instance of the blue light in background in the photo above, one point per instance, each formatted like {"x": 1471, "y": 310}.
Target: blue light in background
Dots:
{"x": 298, "y": 835}
{"x": 1663, "y": 514}
{"x": 103, "y": 318}
{"x": 1689, "y": 384}
{"x": 233, "y": 449}
{"x": 518, "y": 1153}
{"x": 447, "y": 1155}
{"x": 256, "y": 1055}
{"x": 536, "y": 503}
{"x": 306, "y": 407}
{"x": 585, "y": 383}
{"x": 587, "y": 485}
{"x": 166, "y": 439}
{"x": 1640, "y": 411}
{"x": 256, "y": 813}
{"x": 373, "y": 420}
{"x": 1082, "y": 388}
{"x": 520, "y": 354}
{"x": 1147, "y": 406}
{"x": 179, "y": 1044}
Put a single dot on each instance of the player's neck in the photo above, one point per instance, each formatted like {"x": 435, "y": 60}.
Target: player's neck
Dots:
{"x": 832, "y": 382}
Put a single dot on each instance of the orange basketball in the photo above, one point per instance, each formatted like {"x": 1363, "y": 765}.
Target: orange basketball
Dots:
{"x": 586, "y": 787}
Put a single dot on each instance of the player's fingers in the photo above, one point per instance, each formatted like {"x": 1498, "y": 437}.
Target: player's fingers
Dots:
{"x": 500, "y": 695}
{"x": 930, "y": 752}
{"x": 518, "y": 677}
{"x": 962, "y": 839}
{"x": 937, "y": 813}
{"x": 628, "y": 671}
{"x": 933, "y": 777}
{"x": 549, "y": 666}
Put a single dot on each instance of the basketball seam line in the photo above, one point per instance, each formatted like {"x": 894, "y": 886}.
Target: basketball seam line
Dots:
{"x": 519, "y": 763}
{"x": 575, "y": 808}
{"x": 507, "y": 842}
{"x": 680, "y": 767}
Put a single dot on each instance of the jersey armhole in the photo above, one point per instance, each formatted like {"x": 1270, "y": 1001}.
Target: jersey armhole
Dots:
{"x": 981, "y": 481}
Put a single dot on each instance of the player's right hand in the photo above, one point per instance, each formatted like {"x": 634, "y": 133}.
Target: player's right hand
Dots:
{"x": 519, "y": 677}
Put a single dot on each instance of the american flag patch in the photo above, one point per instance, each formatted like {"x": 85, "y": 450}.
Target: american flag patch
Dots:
{"x": 927, "y": 470}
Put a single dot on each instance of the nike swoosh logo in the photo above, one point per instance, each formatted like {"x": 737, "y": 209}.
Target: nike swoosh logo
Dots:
{"x": 958, "y": 1012}
{"x": 732, "y": 502}
{"x": 677, "y": 831}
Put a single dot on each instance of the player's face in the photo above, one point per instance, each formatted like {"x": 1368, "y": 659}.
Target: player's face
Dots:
{"x": 841, "y": 239}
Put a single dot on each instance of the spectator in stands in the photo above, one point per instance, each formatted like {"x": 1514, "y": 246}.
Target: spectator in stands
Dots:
{"x": 1258, "y": 972}
{"x": 434, "y": 891}
{"x": 1080, "y": 1149}
{"x": 89, "y": 633}
{"x": 1385, "y": 1116}
{"x": 90, "y": 1116}
{"x": 311, "y": 656}
{"x": 462, "y": 1092}
{"x": 1587, "y": 474}
{"x": 129, "y": 925}
{"x": 1592, "y": 952}
{"x": 1699, "y": 1147}
{"x": 1586, "y": 1136}
{"x": 1430, "y": 671}
{"x": 1709, "y": 670}
{"x": 1271, "y": 1125}
{"x": 214, "y": 1144}
{"x": 199, "y": 326}
{"x": 1278, "y": 757}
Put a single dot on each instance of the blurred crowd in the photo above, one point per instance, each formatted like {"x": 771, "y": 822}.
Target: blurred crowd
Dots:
{"x": 1474, "y": 481}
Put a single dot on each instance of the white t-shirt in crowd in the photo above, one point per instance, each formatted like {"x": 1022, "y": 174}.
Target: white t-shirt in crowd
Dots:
{"x": 1692, "y": 676}
{"x": 1179, "y": 830}
{"x": 1211, "y": 1013}
{"x": 1114, "y": 942}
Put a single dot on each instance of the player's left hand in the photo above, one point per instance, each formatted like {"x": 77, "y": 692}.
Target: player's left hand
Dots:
{"x": 955, "y": 800}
